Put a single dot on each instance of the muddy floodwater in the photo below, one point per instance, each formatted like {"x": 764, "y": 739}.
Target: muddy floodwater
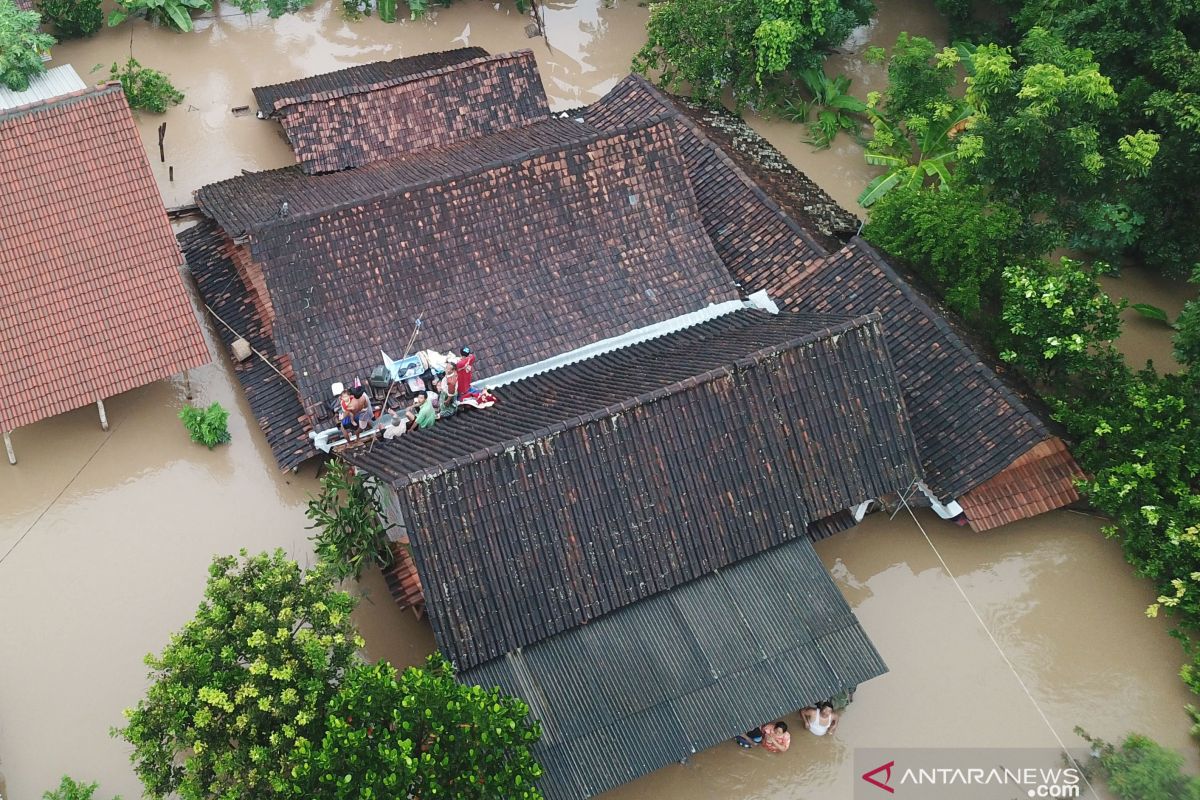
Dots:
{"x": 105, "y": 537}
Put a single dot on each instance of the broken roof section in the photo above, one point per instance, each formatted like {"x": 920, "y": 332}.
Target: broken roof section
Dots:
{"x": 657, "y": 681}
{"x": 94, "y": 303}
{"x": 525, "y": 258}
{"x": 353, "y": 117}
{"x": 606, "y": 481}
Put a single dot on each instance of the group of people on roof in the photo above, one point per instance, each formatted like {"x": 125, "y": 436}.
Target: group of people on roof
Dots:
{"x": 420, "y": 390}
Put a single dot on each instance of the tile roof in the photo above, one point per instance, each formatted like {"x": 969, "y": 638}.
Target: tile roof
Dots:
{"x": 270, "y": 98}
{"x": 94, "y": 302}
{"x": 1042, "y": 479}
{"x": 254, "y": 199}
{"x": 521, "y": 259}
{"x": 655, "y": 682}
{"x": 969, "y": 425}
{"x": 355, "y": 124}
{"x": 605, "y": 503}
{"x": 273, "y": 400}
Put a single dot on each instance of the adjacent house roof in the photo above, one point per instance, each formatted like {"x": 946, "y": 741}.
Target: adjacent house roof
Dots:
{"x": 271, "y": 98}
{"x": 90, "y": 286}
{"x": 596, "y": 485}
{"x": 522, "y": 259}
{"x": 266, "y": 375}
{"x": 343, "y": 121}
{"x": 968, "y": 423}
{"x": 43, "y": 86}
{"x": 655, "y": 682}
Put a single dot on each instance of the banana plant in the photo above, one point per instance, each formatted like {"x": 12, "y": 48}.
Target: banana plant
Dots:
{"x": 911, "y": 162}
{"x": 171, "y": 13}
{"x": 835, "y": 106}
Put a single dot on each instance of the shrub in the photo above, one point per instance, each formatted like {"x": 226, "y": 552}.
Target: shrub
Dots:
{"x": 145, "y": 88}
{"x": 21, "y": 46}
{"x": 175, "y": 14}
{"x": 1187, "y": 331}
{"x": 73, "y": 18}
{"x": 958, "y": 240}
{"x": 348, "y": 517}
{"x": 206, "y": 426}
{"x": 1056, "y": 320}
{"x": 70, "y": 789}
{"x": 1141, "y": 769}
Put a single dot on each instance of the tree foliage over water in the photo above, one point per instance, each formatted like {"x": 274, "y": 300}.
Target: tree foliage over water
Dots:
{"x": 262, "y": 694}
{"x": 748, "y": 46}
{"x": 21, "y": 46}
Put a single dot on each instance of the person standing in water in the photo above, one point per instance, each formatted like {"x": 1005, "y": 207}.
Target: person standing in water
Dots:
{"x": 819, "y": 719}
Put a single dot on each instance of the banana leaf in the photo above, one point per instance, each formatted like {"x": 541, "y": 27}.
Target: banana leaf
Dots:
{"x": 878, "y": 188}
{"x": 1152, "y": 312}
{"x": 387, "y": 10}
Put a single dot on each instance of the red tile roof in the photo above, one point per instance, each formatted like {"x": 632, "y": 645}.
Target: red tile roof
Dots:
{"x": 93, "y": 303}
{"x": 1042, "y": 479}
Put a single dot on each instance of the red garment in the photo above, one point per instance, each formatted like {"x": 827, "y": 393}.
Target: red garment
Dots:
{"x": 776, "y": 741}
{"x": 464, "y": 369}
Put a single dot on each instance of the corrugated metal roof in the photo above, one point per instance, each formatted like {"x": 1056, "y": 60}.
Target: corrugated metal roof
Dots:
{"x": 49, "y": 84}
{"x": 676, "y": 673}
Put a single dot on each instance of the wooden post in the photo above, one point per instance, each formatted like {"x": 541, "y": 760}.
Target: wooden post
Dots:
{"x": 12, "y": 457}
{"x": 187, "y": 385}
{"x": 103, "y": 416}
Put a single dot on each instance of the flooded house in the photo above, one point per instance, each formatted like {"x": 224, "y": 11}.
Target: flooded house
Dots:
{"x": 90, "y": 271}
{"x": 700, "y": 371}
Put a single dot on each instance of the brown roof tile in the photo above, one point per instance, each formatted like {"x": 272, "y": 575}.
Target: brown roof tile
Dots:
{"x": 356, "y": 124}
{"x": 90, "y": 286}
{"x": 1040, "y": 480}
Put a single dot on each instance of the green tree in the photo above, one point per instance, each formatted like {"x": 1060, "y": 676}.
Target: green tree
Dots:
{"x": 1187, "y": 331}
{"x": 1056, "y": 320}
{"x": 150, "y": 90}
{"x": 263, "y": 695}
{"x": 21, "y": 46}
{"x": 422, "y": 734}
{"x": 348, "y": 517}
{"x": 245, "y": 683}
{"x": 73, "y": 18}
{"x": 746, "y": 45}
{"x": 176, "y": 14}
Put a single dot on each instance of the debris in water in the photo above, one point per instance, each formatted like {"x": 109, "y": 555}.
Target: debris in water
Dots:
{"x": 531, "y": 30}
{"x": 240, "y": 111}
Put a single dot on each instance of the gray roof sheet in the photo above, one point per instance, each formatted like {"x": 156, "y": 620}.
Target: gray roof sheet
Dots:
{"x": 673, "y": 674}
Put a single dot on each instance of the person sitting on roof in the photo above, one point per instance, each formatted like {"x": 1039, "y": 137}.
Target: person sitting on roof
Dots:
{"x": 356, "y": 409}
{"x": 773, "y": 737}
{"x": 422, "y": 413}
{"x": 446, "y": 384}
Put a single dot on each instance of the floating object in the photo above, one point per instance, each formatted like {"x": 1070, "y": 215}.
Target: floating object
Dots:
{"x": 240, "y": 348}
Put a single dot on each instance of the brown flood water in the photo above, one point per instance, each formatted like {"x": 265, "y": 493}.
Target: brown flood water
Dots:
{"x": 108, "y": 535}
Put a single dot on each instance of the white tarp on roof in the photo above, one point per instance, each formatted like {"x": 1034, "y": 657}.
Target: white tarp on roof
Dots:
{"x": 51, "y": 83}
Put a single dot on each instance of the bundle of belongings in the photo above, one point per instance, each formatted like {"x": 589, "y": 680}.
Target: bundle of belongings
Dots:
{"x": 413, "y": 392}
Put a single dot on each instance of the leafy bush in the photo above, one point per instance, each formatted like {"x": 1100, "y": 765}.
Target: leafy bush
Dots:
{"x": 958, "y": 240}
{"x": 707, "y": 45}
{"x": 73, "y": 18}
{"x": 1056, "y": 320}
{"x": 206, "y": 426}
{"x": 1107, "y": 229}
{"x": 348, "y": 517}
{"x": 835, "y": 106}
{"x": 275, "y": 8}
{"x": 21, "y": 46}
{"x": 262, "y": 694}
{"x": 145, "y": 88}
{"x": 175, "y": 14}
{"x": 1187, "y": 331}
{"x": 1141, "y": 769}
{"x": 70, "y": 789}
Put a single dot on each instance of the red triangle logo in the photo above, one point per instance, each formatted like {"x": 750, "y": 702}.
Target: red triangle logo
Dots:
{"x": 869, "y": 777}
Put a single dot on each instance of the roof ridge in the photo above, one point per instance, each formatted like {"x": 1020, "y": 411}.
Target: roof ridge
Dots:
{"x": 590, "y": 139}
{"x": 645, "y": 398}
{"x": 346, "y": 91}
{"x": 107, "y": 87}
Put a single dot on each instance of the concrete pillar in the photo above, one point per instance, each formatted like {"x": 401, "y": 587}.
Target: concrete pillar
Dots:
{"x": 103, "y": 416}
{"x": 12, "y": 457}
{"x": 187, "y": 385}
